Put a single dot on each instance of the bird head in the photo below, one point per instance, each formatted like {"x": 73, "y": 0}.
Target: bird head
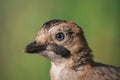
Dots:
{"x": 60, "y": 41}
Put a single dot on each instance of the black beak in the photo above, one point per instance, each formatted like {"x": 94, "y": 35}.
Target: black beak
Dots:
{"x": 34, "y": 48}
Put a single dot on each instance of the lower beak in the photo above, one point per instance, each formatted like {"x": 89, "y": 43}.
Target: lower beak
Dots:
{"x": 34, "y": 48}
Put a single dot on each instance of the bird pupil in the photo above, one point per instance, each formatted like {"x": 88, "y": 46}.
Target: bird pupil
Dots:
{"x": 60, "y": 36}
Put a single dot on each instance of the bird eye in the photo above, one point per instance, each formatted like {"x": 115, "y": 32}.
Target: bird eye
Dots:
{"x": 60, "y": 36}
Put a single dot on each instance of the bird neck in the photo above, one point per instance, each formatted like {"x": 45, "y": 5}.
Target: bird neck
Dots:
{"x": 82, "y": 59}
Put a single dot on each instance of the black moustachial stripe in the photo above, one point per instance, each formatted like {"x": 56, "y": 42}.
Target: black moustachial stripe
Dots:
{"x": 62, "y": 51}
{"x": 52, "y": 23}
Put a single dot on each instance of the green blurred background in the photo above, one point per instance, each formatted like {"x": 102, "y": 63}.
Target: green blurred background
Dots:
{"x": 21, "y": 19}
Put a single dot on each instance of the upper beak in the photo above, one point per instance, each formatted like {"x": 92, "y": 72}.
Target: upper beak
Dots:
{"x": 34, "y": 48}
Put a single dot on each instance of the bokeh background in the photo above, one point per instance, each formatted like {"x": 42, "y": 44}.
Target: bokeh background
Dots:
{"x": 21, "y": 19}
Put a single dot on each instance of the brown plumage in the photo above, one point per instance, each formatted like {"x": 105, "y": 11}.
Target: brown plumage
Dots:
{"x": 64, "y": 44}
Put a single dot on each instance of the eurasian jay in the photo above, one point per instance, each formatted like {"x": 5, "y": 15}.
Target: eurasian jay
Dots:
{"x": 64, "y": 44}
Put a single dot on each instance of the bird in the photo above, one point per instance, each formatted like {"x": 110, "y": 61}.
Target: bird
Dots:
{"x": 64, "y": 44}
